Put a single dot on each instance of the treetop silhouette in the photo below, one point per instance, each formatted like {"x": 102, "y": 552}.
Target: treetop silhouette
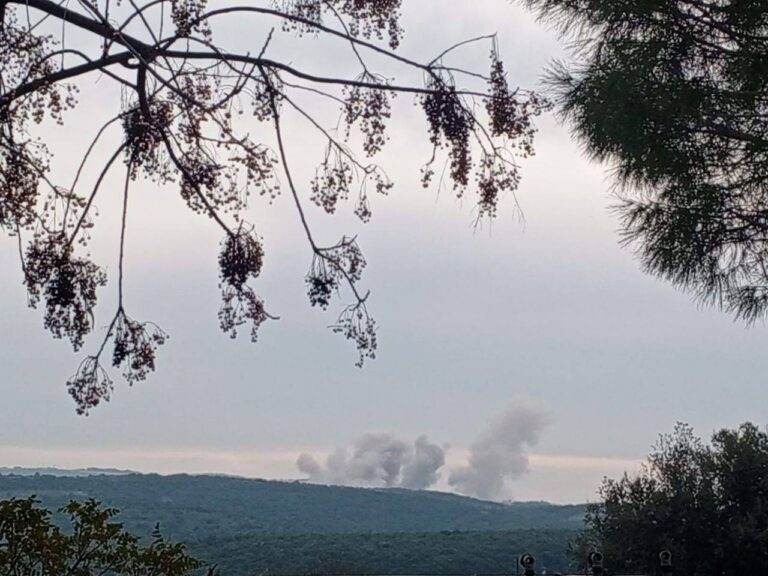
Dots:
{"x": 673, "y": 96}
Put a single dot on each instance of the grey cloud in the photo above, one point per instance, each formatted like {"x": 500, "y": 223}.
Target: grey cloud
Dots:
{"x": 378, "y": 460}
{"x": 499, "y": 454}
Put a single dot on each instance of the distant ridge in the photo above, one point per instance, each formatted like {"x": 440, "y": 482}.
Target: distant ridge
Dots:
{"x": 240, "y": 505}
{"x": 64, "y": 472}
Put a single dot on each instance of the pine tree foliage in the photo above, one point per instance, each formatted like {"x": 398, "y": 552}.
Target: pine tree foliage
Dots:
{"x": 674, "y": 95}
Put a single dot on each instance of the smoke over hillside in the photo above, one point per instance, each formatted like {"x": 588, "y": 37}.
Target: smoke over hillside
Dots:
{"x": 378, "y": 460}
{"x": 499, "y": 455}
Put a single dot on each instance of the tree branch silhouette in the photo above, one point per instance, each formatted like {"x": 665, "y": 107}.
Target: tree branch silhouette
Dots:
{"x": 182, "y": 90}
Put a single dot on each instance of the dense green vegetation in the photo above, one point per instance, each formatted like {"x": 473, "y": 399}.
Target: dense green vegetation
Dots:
{"x": 92, "y": 544}
{"x": 443, "y": 553}
{"x": 706, "y": 503}
{"x": 256, "y": 526}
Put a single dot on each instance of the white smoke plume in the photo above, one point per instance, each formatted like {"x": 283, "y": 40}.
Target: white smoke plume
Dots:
{"x": 378, "y": 460}
{"x": 422, "y": 470}
{"x": 500, "y": 454}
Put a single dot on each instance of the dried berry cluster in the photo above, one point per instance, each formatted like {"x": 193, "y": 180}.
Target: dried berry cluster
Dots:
{"x": 24, "y": 161}
{"x": 90, "y": 385}
{"x": 494, "y": 176}
{"x": 370, "y": 107}
{"x": 219, "y": 172}
{"x": 135, "y": 346}
{"x": 201, "y": 183}
{"x": 68, "y": 286}
{"x": 241, "y": 259}
{"x": 367, "y": 18}
{"x": 332, "y": 266}
{"x": 264, "y": 95}
{"x": 144, "y": 138}
{"x": 453, "y": 125}
{"x": 510, "y": 116}
{"x": 450, "y": 125}
{"x": 24, "y": 58}
{"x": 332, "y": 180}
{"x": 373, "y": 17}
{"x": 185, "y": 15}
{"x": 239, "y": 307}
{"x": 381, "y": 184}
{"x": 19, "y": 185}
{"x": 309, "y": 10}
{"x": 259, "y": 164}
{"x": 357, "y": 325}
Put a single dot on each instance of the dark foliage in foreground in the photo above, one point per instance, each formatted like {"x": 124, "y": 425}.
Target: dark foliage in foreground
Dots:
{"x": 707, "y": 504}
{"x": 92, "y": 545}
{"x": 674, "y": 95}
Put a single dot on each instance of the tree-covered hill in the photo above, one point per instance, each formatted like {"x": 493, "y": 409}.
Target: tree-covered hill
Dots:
{"x": 445, "y": 553}
{"x": 257, "y": 526}
{"x": 189, "y": 506}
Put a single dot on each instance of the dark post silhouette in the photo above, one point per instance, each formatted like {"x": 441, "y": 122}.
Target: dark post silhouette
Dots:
{"x": 528, "y": 563}
{"x": 595, "y": 560}
{"x": 665, "y": 558}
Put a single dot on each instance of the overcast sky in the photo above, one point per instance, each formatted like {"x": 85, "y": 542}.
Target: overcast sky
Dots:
{"x": 547, "y": 315}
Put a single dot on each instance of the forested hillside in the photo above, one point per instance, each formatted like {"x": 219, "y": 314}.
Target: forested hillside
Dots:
{"x": 253, "y": 526}
{"x": 444, "y": 553}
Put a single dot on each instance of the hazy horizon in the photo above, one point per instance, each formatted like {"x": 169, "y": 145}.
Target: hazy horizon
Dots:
{"x": 58, "y": 472}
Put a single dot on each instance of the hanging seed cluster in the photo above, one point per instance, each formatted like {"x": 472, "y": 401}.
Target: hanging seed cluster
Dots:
{"x": 24, "y": 58}
{"x": 357, "y": 325}
{"x": 494, "y": 176}
{"x": 309, "y": 10}
{"x": 371, "y": 109}
{"x": 239, "y": 307}
{"x": 381, "y": 184}
{"x": 241, "y": 259}
{"x": 66, "y": 284}
{"x": 367, "y": 18}
{"x": 135, "y": 347}
{"x": 144, "y": 137}
{"x": 18, "y": 191}
{"x": 371, "y": 18}
{"x": 321, "y": 283}
{"x": 332, "y": 266}
{"x": 259, "y": 166}
{"x": 449, "y": 126}
{"x": 510, "y": 116}
{"x": 332, "y": 181}
{"x": 185, "y": 13}
{"x": 90, "y": 385}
